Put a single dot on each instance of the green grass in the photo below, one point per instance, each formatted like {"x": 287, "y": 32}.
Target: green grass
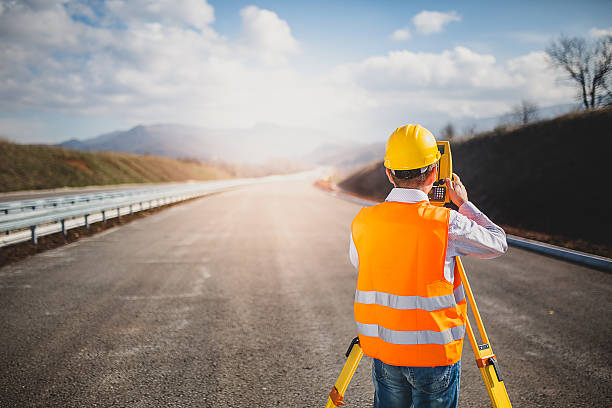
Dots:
{"x": 32, "y": 167}
{"x": 547, "y": 179}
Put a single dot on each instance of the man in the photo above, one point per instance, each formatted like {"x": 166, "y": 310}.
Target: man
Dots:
{"x": 410, "y": 307}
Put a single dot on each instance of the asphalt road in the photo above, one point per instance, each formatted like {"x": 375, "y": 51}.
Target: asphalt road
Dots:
{"x": 244, "y": 299}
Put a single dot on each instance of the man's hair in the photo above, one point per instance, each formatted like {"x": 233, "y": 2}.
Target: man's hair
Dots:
{"x": 412, "y": 178}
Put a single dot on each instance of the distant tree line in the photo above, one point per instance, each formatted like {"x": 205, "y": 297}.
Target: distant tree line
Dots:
{"x": 586, "y": 63}
{"x": 448, "y": 132}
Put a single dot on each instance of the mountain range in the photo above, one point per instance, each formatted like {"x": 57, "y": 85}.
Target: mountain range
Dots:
{"x": 257, "y": 144}
{"x": 260, "y": 144}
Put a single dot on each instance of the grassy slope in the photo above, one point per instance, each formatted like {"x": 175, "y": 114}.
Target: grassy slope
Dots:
{"x": 546, "y": 180}
{"x": 26, "y": 167}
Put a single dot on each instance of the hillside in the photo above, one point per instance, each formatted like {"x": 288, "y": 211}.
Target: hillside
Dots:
{"x": 544, "y": 180}
{"x": 26, "y": 167}
{"x": 258, "y": 144}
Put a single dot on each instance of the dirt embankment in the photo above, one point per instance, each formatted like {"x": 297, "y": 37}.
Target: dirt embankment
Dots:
{"x": 546, "y": 180}
{"x": 32, "y": 167}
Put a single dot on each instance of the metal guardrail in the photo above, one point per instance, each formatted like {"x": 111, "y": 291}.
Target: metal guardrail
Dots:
{"x": 28, "y": 219}
{"x": 594, "y": 261}
{"x": 69, "y": 200}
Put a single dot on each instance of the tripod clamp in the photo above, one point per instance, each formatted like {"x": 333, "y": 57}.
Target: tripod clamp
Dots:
{"x": 355, "y": 341}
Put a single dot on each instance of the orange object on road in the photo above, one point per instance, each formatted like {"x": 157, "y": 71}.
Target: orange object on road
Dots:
{"x": 407, "y": 313}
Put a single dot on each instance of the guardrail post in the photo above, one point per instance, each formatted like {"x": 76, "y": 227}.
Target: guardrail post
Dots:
{"x": 64, "y": 227}
{"x": 103, "y": 216}
{"x": 118, "y": 213}
{"x": 86, "y": 220}
{"x": 34, "y": 237}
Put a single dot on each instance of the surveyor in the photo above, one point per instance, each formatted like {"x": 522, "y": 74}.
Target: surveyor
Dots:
{"x": 410, "y": 307}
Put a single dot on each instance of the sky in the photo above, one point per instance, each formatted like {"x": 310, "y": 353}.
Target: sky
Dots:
{"x": 354, "y": 70}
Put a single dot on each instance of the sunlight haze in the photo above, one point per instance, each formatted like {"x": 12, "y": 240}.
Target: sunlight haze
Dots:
{"x": 350, "y": 70}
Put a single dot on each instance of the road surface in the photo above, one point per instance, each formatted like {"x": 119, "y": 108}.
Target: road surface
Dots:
{"x": 244, "y": 299}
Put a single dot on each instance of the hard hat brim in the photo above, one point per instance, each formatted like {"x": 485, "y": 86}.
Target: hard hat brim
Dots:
{"x": 387, "y": 163}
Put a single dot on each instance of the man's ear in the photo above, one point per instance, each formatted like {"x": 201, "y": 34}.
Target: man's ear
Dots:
{"x": 433, "y": 176}
{"x": 389, "y": 176}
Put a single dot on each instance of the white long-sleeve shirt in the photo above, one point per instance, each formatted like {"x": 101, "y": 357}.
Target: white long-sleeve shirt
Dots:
{"x": 470, "y": 232}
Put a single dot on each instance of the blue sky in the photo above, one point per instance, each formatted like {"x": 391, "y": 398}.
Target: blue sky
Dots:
{"x": 351, "y": 69}
{"x": 351, "y": 30}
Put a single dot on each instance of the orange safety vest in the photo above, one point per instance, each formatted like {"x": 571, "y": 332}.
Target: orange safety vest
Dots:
{"x": 407, "y": 313}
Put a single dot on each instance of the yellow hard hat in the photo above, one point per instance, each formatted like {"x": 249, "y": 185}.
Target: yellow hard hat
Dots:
{"x": 411, "y": 147}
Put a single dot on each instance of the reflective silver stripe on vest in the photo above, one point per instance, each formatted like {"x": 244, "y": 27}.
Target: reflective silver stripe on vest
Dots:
{"x": 459, "y": 293}
{"x": 405, "y": 302}
{"x": 411, "y": 337}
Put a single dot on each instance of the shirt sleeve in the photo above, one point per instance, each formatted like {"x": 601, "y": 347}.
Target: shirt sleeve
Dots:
{"x": 470, "y": 232}
{"x": 353, "y": 255}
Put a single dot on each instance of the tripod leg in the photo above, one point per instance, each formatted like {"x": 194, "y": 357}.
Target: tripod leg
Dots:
{"x": 354, "y": 355}
{"x": 485, "y": 359}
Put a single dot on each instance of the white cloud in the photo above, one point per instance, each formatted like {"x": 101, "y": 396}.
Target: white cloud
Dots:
{"x": 149, "y": 72}
{"x": 142, "y": 62}
{"x": 401, "y": 34}
{"x": 406, "y": 70}
{"x": 431, "y": 22}
{"x": 600, "y": 32}
{"x": 533, "y": 79}
{"x": 45, "y": 26}
{"x": 455, "y": 82}
{"x": 266, "y": 36}
{"x": 195, "y": 13}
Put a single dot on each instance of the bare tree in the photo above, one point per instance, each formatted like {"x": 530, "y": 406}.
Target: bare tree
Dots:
{"x": 469, "y": 130}
{"x": 588, "y": 64}
{"x": 524, "y": 112}
{"x": 447, "y": 132}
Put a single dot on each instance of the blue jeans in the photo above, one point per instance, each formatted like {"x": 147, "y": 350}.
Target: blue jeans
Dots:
{"x": 414, "y": 387}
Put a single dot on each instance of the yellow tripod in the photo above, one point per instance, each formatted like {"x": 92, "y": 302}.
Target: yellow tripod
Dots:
{"x": 485, "y": 359}
{"x": 353, "y": 355}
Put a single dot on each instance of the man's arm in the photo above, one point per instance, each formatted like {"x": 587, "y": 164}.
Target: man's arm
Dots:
{"x": 470, "y": 232}
{"x": 353, "y": 255}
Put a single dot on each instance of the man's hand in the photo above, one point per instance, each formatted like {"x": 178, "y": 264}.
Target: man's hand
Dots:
{"x": 456, "y": 190}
